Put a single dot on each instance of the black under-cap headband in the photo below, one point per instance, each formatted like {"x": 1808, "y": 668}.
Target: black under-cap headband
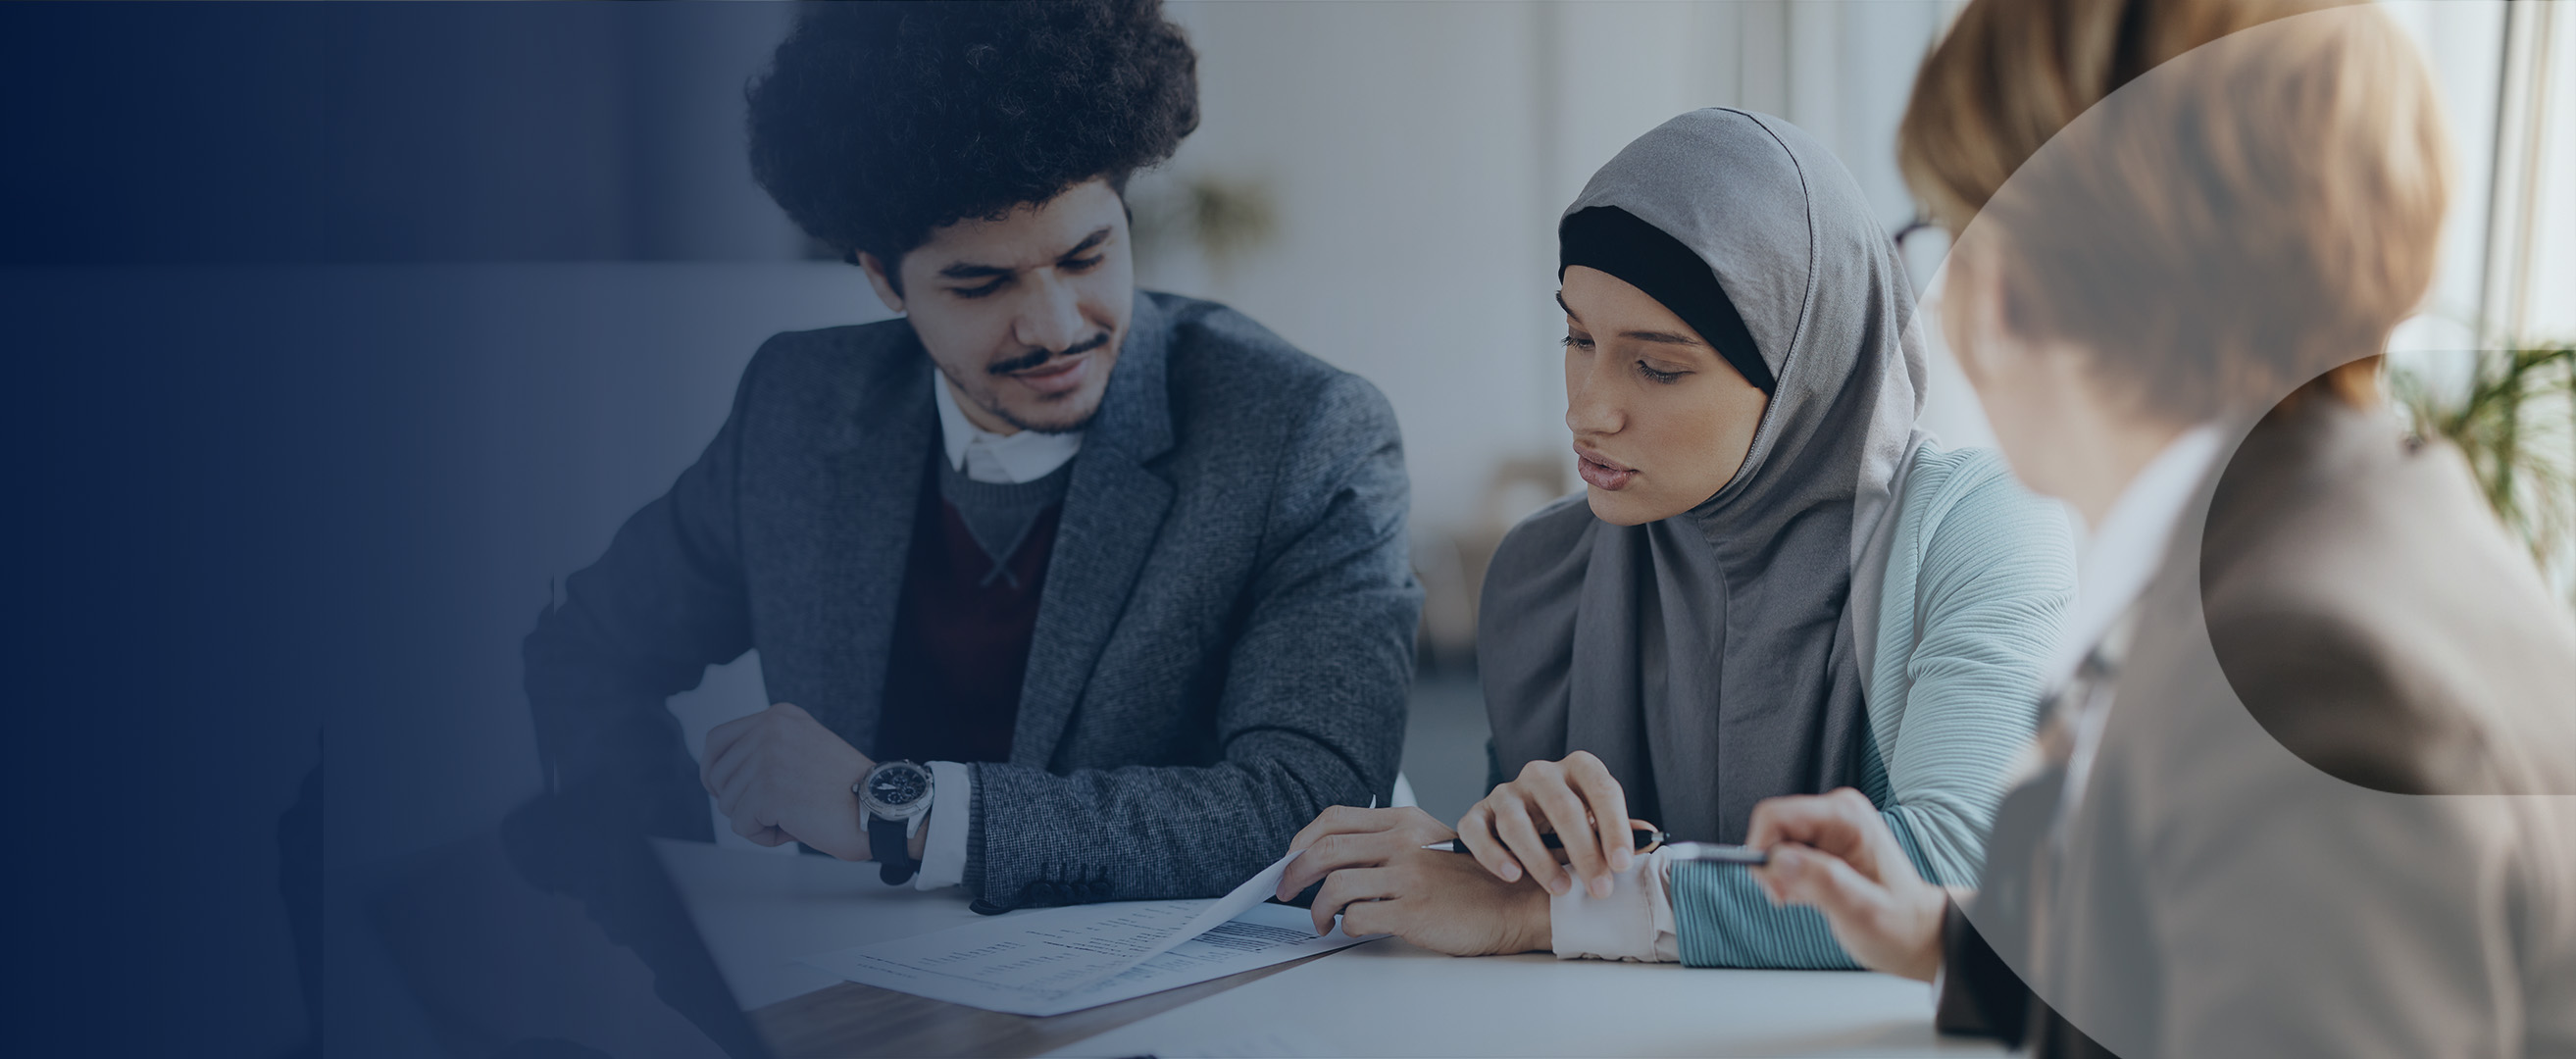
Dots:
{"x": 1615, "y": 241}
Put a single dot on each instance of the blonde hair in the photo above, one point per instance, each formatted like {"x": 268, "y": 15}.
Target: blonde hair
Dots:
{"x": 2224, "y": 200}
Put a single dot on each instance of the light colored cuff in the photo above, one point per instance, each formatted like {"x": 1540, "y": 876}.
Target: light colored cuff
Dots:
{"x": 943, "y": 854}
{"x": 1634, "y": 923}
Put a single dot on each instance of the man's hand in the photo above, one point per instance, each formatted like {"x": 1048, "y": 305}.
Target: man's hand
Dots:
{"x": 1835, "y": 853}
{"x": 1345, "y": 836}
{"x": 1576, "y": 798}
{"x": 1380, "y": 880}
{"x": 780, "y": 777}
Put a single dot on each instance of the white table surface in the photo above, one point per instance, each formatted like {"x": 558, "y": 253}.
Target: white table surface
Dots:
{"x": 1393, "y": 999}
{"x": 759, "y": 912}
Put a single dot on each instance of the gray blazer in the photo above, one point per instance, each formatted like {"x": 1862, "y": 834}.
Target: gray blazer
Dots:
{"x": 1222, "y": 650}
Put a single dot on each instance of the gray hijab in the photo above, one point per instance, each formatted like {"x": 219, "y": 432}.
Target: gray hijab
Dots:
{"x": 1718, "y": 657}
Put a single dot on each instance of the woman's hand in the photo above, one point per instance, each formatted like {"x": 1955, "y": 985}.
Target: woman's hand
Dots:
{"x": 1380, "y": 880}
{"x": 1833, "y": 852}
{"x": 1578, "y": 800}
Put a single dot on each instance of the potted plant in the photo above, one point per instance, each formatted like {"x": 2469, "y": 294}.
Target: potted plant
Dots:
{"x": 2515, "y": 421}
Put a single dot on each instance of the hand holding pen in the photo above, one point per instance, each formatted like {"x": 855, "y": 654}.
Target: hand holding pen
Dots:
{"x": 1570, "y": 815}
{"x": 1579, "y": 801}
{"x": 1573, "y": 808}
{"x": 1646, "y": 838}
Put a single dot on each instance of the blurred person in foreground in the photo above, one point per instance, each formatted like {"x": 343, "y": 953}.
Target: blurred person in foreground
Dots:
{"x": 1772, "y": 583}
{"x": 1065, "y": 591}
{"x": 2307, "y": 785}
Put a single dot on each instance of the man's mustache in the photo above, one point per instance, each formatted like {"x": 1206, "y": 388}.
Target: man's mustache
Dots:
{"x": 1034, "y": 358}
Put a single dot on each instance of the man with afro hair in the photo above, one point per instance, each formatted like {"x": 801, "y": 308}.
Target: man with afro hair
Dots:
{"x": 1064, "y": 591}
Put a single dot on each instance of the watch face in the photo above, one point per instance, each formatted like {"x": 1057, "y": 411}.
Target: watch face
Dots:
{"x": 898, "y": 785}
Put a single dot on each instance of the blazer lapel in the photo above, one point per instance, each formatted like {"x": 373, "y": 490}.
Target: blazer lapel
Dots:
{"x": 1113, "y": 509}
{"x": 876, "y": 475}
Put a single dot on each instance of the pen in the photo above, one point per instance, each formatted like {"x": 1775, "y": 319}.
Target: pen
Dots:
{"x": 1648, "y": 839}
{"x": 1645, "y": 839}
{"x": 1717, "y": 853}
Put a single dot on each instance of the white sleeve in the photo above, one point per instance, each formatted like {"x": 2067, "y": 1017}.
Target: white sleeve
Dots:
{"x": 1634, "y": 923}
{"x": 943, "y": 854}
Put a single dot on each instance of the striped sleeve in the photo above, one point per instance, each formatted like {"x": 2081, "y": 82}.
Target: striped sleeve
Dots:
{"x": 1996, "y": 574}
{"x": 1721, "y": 918}
{"x": 1972, "y": 605}
{"x": 1724, "y": 921}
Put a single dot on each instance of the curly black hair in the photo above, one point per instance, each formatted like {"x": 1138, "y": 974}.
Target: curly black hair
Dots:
{"x": 878, "y": 122}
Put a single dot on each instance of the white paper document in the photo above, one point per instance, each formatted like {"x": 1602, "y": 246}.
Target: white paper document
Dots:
{"x": 1066, "y": 959}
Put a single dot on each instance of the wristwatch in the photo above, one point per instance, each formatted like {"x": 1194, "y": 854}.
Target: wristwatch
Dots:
{"x": 895, "y": 796}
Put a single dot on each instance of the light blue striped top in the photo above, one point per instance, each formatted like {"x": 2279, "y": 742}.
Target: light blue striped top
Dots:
{"x": 1979, "y": 573}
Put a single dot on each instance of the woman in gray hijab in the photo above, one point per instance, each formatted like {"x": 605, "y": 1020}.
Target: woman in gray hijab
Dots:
{"x": 1772, "y": 584}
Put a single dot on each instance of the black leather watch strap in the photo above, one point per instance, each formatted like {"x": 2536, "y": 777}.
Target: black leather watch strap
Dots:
{"x": 891, "y": 849}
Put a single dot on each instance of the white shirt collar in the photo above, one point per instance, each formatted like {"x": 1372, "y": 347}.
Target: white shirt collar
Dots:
{"x": 1004, "y": 459}
{"x": 2121, "y": 555}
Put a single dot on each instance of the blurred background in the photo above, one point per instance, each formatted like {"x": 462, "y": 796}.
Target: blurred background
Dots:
{"x": 1385, "y": 180}
{"x": 500, "y": 266}
{"x": 1379, "y": 182}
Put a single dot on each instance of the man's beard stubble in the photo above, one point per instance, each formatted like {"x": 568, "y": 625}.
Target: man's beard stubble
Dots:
{"x": 1032, "y": 359}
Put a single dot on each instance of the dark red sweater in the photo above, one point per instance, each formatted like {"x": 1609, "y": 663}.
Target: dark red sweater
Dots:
{"x": 961, "y": 639}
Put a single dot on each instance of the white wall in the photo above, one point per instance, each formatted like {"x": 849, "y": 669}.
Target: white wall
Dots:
{"x": 2463, "y": 43}
{"x": 2551, "y": 309}
{"x": 1415, "y": 246}
{"x": 1420, "y": 154}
